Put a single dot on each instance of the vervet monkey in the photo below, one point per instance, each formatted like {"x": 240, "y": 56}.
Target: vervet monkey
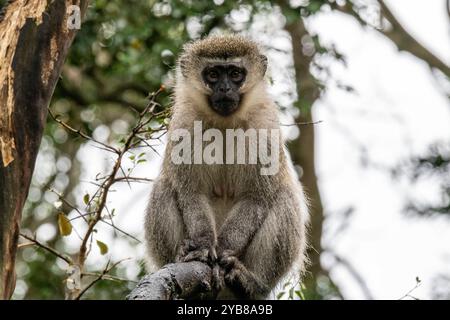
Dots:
{"x": 251, "y": 225}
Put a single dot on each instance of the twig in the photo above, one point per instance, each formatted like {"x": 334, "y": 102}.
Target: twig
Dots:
{"x": 26, "y": 244}
{"x": 67, "y": 203}
{"x": 120, "y": 230}
{"x": 135, "y": 179}
{"x": 49, "y": 249}
{"x": 110, "y": 179}
{"x": 301, "y": 123}
{"x": 113, "y": 226}
{"x": 81, "y": 133}
{"x": 97, "y": 203}
{"x": 108, "y": 277}
{"x": 408, "y": 294}
{"x": 100, "y": 276}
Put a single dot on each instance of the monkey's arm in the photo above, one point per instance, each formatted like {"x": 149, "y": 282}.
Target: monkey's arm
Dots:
{"x": 200, "y": 235}
{"x": 245, "y": 219}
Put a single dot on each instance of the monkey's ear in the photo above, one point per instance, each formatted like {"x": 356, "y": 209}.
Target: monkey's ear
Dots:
{"x": 263, "y": 63}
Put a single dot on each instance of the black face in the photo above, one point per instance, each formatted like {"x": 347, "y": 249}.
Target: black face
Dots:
{"x": 225, "y": 81}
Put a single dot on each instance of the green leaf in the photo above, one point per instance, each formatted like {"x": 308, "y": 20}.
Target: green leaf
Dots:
{"x": 65, "y": 227}
{"x": 300, "y": 294}
{"x": 142, "y": 160}
{"x": 315, "y": 6}
{"x": 86, "y": 198}
{"x": 103, "y": 247}
{"x": 132, "y": 157}
{"x": 280, "y": 295}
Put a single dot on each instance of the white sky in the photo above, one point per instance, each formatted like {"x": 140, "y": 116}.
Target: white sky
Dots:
{"x": 397, "y": 111}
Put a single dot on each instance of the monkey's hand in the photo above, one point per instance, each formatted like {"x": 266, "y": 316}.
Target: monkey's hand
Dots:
{"x": 200, "y": 249}
{"x": 241, "y": 280}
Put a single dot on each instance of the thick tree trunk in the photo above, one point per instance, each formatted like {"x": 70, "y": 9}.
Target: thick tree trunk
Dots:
{"x": 35, "y": 36}
{"x": 303, "y": 152}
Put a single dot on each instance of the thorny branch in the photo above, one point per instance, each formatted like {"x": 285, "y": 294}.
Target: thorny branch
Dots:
{"x": 96, "y": 205}
{"x": 81, "y": 133}
{"x": 145, "y": 117}
{"x": 301, "y": 123}
{"x": 100, "y": 276}
{"x": 108, "y": 277}
{"x": 408, "y": 294}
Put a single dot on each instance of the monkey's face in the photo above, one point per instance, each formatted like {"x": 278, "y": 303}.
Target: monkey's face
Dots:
{"x": 225, "y": 81}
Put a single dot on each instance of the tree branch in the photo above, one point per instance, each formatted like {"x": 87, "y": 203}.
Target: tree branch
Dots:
{"x": 100, "y": 276}
{"x": 398, "y": 34}
{"x": 174, "y": 281}
{"x": 406, "y": 42}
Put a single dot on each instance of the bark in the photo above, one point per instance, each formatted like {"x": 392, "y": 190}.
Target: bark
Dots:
{"x": 34, "y": 41}
{"x": 174, "y": 281}
{"x": 302, "y": 150}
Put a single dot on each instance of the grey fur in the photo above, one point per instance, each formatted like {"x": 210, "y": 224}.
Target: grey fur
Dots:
{"x": 254, "y": 224}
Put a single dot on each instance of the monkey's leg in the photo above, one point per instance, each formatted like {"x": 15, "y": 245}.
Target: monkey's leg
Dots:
{"x": 269, "y": 256}
{"x": 243, "y": 282}
{"x": 164, "y": 226}
{"x": 244, "y": 221}
{"x": 270, "y": 251}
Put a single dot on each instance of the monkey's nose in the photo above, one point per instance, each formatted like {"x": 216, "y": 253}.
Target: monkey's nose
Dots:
{"x": 225, "y": 89}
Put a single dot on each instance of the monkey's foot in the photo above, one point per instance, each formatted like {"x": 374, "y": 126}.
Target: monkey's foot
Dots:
{"x": 191, "y": 250}
{"x": 241, "y": 280}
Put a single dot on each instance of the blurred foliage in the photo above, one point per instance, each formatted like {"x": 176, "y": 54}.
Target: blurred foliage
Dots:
{"x": 441, "y": 285}
{"x": 124, "y": 50}
{"x": 432, "y": 165}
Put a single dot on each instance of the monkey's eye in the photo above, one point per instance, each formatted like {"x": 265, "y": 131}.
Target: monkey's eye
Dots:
{"x": 212, "y": 76}
{"x": 236, "y": 75}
